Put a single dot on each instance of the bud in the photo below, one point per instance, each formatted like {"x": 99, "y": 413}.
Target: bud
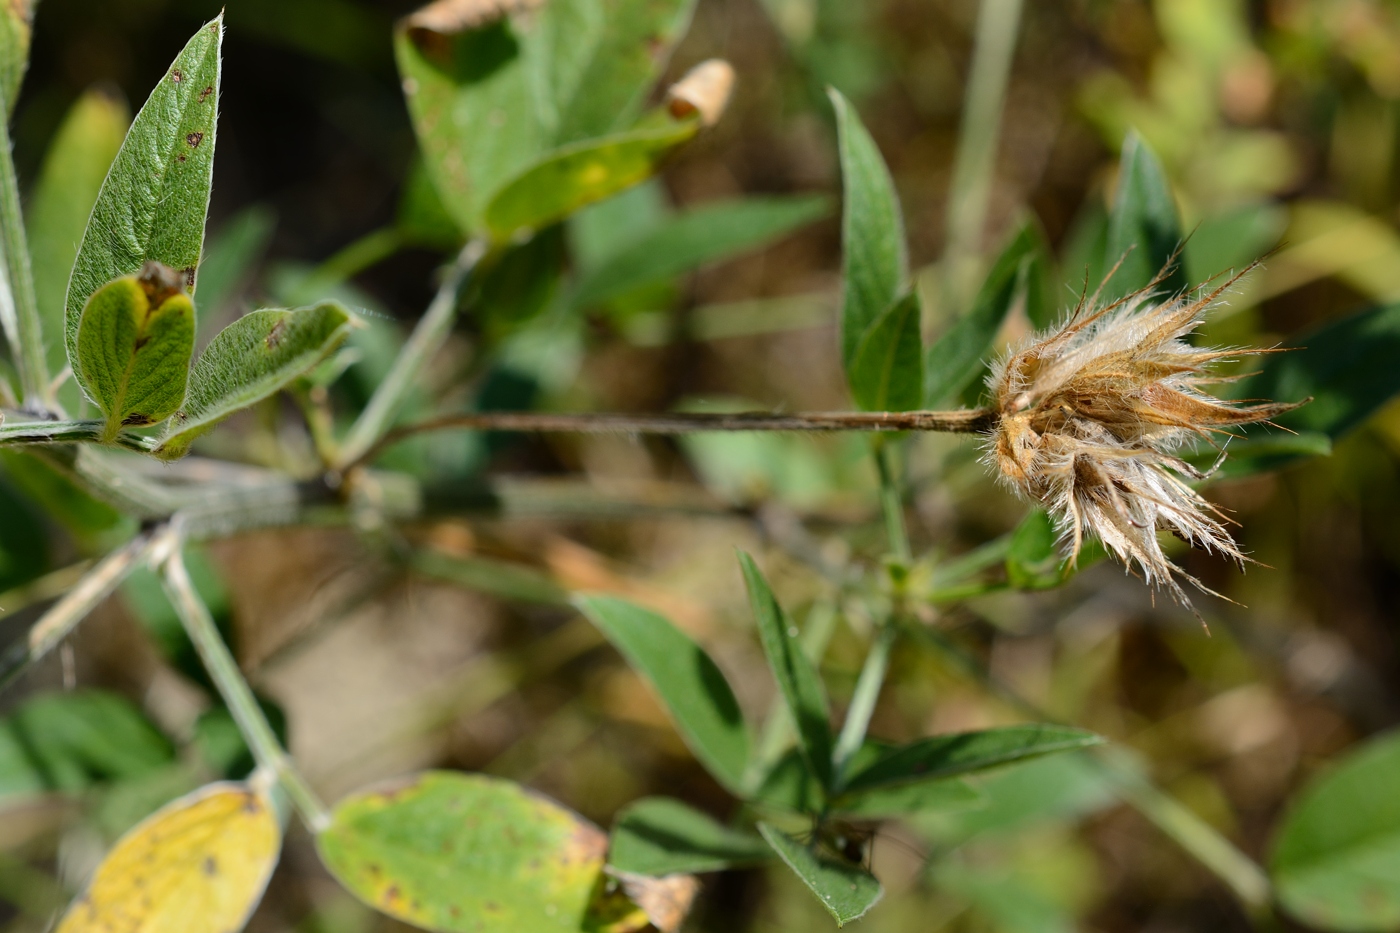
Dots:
{"x": 1090, "y": 419}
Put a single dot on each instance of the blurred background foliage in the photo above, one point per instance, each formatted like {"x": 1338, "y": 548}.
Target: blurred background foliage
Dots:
{"x": 1277, "y": 121}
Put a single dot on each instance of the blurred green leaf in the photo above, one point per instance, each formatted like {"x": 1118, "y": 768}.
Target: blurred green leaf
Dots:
{"x": 16, "y": 29}
{"x": 601, "y": 230}
{"x": 944, "y": 756}
{"x": 798, "y": 681}
{"x": 461, "y": 852}
{"x": 153, "y": 203}
{"x": 517, "y": 282}
{"x": 230, "y": 260}
{"x": 135, "y": 341}
{"x": 1011, "y": 903}
{"x": 423, "y": 219}
{"x": 46, "y": 477}
{"x": 89, "y": 735}
{"x": 1232, "y": 240}
{"x": 847, "y": 891}
{"x": 582, "y": 173}
{"x": 900, "y": 800}
{"x": 251, "y": 359}
{"x": 887, "y": 372}
{"x": 875, "y": 265}
{"x": 506, "y": 579}
{"x": 19, "y": 773}
{"x": 790, "y": 785}
{"x": 74, "y": 168}
{"x": 685, "y": 678}
{"x": 492, "y": 96}
{"x": 221, "y": 745}
{"x": 958, "y": 357}
{"x": 146, "y": 601}
{"x": 1336, "y": 859}
{"x": 1144, "y": 228}
{"x": 706, "y": 234}
{"x": 127, "y": 802}
{"x": 662, "y": 836}
{"x": 24, "y": 539}
{"x": 1033, "y": 560}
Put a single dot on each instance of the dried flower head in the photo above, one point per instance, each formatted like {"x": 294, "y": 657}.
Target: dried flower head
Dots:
{"x": 1091, "y": 419}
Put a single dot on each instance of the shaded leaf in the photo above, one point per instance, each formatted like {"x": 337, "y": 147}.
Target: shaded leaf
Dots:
{"x": 959, "y": 357}
{"x": 1336, "y": 860}
{"x": 20, "y": 775}
{"x": 944, "y": 756}
{"x": 887, "y": 373}
{"x": 662, "y": 836}
{"x": 198, "y": 865}
{"x": 1232, "y": 239}
{"x": 252, "y": 358}
{"x": 135, "y": 340}
{"x": 684, "y": 677}
{"x": 85, "y": 735}
{"x": 1144, "y": 228}
{"x": 152, "y": 205}
{"x": 847, "y": 891}
{"x": 801, "y": 687}
{"x": 934, "y": 796}
{"x": 694, "y": 238}
{"x": 1032, "y": 560}
{"x": 875, "y": 264}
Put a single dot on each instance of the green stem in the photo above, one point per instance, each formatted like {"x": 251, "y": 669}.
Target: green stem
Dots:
{"x": 68, "y": 432}
{"x": 867, "y": 693}
{"x": 236, "y": 693}
{"x": 384, "y": 405}
{"x": 892, "y": 504}
{"x": 22, "y": 326}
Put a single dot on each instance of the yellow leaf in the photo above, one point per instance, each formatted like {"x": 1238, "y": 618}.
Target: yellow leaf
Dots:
{"x": 198, "y": 865}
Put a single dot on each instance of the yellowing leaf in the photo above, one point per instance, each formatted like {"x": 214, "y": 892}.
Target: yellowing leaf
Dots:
{"x": 198, "y": 865}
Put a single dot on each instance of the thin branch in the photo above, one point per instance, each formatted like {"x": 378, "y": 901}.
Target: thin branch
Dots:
{"x": 67, "y": 432}
{"x": 965, "y": 421}
{"x": 384, "y": 405}
{"x": 55, "y": 625}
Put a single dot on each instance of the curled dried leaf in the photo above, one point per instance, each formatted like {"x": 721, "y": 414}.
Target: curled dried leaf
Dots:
{"x": 704, "y": 90}
{"x": 450, "y": 17}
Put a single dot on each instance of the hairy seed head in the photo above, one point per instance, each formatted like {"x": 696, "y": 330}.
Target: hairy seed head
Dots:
{"x": 1092, "y": 415}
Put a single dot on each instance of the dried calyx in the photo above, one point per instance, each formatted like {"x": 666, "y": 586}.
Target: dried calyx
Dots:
{"x": 1092, "y": 417}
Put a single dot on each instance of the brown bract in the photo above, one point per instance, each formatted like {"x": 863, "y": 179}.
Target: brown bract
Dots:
{"x": 1092, "y": 415}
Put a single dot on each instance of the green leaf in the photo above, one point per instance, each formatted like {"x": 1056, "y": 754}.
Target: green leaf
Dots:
{"x": 662, "y": 836}
{"x": 254, "y": 357}
{"x": 135, "y": 341}
{"x": 47, "y": 478}
{"x": 887, "y": 373}
{"x": 1336, "y": 860}
{"x": 1033, "y": 561}
{"x": 569, "y": 178}
{"x": 697, "y": 237}
{"x": 874, "y": 264}
{"x": 492, "y": 95}
{"x": 16, "y": 29}
{"x": 85, "y": 735}
{"x": 19, "y": 773}
{"x": 847, "y": 891}
{"x": 1232, "y": 239}
{"x": 461, "y": 852}
{"x": 154, "y": 200}
{"x": 1144, "y": 228}
{"x": 958, "y": 357}
{"x": 944, "y": 756}
{"x": 935, "y": 796}
{"x": 797, "y": 679}
{"x": 74, "y": 167}
{"x": 687, "y": 681}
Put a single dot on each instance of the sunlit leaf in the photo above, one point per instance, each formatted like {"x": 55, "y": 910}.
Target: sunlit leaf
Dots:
{"x": 887, "y": 372}
{"x": 875, "y": 263}
{"x": 135, "y": 340}
{"x": 1336, "y": 860}
{"x": 1144, "y": 227}
{"x": 687, "y": 681}
{"x": 153, "y": 203}
{"x": 798, "y": 681}
{"x": 252, "y": 358}
{"x": 847, "y": 891}
{"x": 199, "y": 866}
{"x": 661, "y": 836}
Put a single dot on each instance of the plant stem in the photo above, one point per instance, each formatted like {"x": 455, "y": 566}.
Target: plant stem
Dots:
{"x": 974, "y": 163}
{"x": 234, "y": 689}
{"x": 965, "y": 421}
{"x": 384, "y": 405}
{"x": 892, "y": 504}
{"x": 21, "y": 317}
{"x": 68, "y": 432}
{"x": 776, "y": 736}
{"x": 867, "y": 693}
{"x": 63, "y": 616}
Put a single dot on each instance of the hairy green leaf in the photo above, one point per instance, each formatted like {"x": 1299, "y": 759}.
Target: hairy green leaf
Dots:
{"x": 490, "y": 95}
{"x": 1144, "y": 228}
{"x": 16, "y": 30}
{"x": 706, "y": 234}
{"x": 887, "y": 373}
{"x": 686, "y": 679}
{"x": 255, "y": 356}
{"x": 135, "y": 340}
{"x": 662, "y": 836}
{"x": 1336, "y": 860}
{"x": 847, "y": 891}
{"x": 74, "y": 167}
{"x": 798, "y": 681}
